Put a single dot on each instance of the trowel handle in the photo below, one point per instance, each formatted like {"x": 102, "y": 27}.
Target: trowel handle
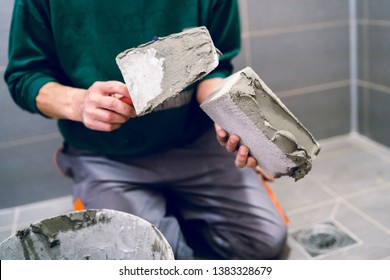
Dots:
{"x": 126, "y": 99}
{"x": 123, "y": 98}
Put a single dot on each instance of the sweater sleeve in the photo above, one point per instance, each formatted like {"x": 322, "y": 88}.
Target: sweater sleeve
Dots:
{"x": 223, "y": 23}
{"x": 32, "y": 61}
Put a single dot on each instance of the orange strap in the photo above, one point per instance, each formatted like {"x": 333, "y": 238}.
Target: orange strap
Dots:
{"x": 78, "y": 204}
{"x": 276, "y": 203}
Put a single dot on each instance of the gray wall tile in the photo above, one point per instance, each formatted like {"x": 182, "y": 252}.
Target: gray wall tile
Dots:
{"x": 360, "y": 9}
{"x": 239, "y": 61}
{"x": 324, "y": 114}
{"x": 378, "y": 116}
{"x": 379, "y": 54}
{"x": 379, "y": 9}
{"x": 300, "y": 59}
{"x": 374, "y": 59}
{"x": 265, "y": 14}
{"x": 242, "y": 4}
{"x": 363, "y": 52}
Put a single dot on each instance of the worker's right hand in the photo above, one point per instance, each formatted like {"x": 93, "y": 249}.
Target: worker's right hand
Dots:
{"x": 101, "y": 110}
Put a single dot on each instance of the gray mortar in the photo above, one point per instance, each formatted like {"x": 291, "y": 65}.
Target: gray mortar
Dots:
{"x": 159, "y": 70}
{"x": 89, "y": 234}
{"x": 245, "y": 106}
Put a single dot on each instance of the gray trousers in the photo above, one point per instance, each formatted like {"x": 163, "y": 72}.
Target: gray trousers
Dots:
{"x": 195, "y": 195}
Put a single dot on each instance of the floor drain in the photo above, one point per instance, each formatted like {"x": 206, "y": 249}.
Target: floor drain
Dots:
{"x": 322, "y": 238}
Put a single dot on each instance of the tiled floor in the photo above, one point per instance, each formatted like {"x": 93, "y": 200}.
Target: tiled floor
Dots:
{"x": 348, "y": 186}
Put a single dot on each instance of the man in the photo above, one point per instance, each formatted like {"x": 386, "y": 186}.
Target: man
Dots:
{"x": 165, "y": 167}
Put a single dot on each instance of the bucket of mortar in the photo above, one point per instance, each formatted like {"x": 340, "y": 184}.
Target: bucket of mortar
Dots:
{"x": 88, "y": 234}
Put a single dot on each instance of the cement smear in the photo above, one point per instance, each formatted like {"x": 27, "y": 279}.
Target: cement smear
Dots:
{"x": 161, "y": 69}
{"x": 245, "y": 106}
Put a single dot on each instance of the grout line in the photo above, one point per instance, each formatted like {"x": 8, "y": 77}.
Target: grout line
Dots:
{"x": 353, "y": 66}
{"x": 335, "y": 209}
{"x": 372, "y": 147}
{"x": 246, "y": 40}
{"x": 365, "y": 46}
{"x": 354, "y": 208}
{"x": 315, "y": 88}
{"x": 329, "y": 191}
{"x": 311, "y": 207}
{"x": 356, "y": 141}
{"x": 371, "y": 85}
{"x": 373, "y": 22}
{"x": 14, "y": 227}
{"x": 296, "y": 28}
{"x": 366, "y": 191}
{"x": 245, "y": 15}
{"x": 30, "y": 140}
{"x": 366, "y": 217}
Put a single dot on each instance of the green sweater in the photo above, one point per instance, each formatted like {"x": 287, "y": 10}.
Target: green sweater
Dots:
{"x": 75, "y": 42}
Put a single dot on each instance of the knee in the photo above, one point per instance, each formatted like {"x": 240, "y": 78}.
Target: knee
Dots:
{"x": 267, "y": 243}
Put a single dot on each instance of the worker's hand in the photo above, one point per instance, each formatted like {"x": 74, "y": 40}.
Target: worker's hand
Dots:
{"x": 231, "y": 144}
{"x": 102, "y": 110}
{"x": 243, "y": 159}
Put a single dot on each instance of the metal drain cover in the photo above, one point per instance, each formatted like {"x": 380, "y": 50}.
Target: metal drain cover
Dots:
{"x": 322, "y": 238}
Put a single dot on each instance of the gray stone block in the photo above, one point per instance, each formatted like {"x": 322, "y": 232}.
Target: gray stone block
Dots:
{"x": 245, "y": 106}
{"x": 161, "y": 69}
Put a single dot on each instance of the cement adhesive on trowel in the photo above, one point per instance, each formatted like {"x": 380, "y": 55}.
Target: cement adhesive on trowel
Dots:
{"x": 161, "y": 69}
{"x": 245, "y": 106}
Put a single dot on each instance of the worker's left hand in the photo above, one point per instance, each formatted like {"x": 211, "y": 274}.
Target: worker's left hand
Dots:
{"x": 231, "y": 144}
{"x": 243, "y": 159}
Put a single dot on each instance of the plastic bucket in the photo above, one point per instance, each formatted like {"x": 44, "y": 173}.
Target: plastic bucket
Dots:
{"x": 88, "y": 234}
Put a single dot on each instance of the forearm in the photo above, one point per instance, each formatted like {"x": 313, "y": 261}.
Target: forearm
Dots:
{"x": 206, "y": 87}
{"x": 61, "y": 102}
{"x": 97, "y": 108}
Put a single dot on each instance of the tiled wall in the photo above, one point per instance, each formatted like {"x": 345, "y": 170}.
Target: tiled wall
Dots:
{"x": 300, "y": 48}
{"x": 26, "y": 142}
{"x": 374, "y": 69}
